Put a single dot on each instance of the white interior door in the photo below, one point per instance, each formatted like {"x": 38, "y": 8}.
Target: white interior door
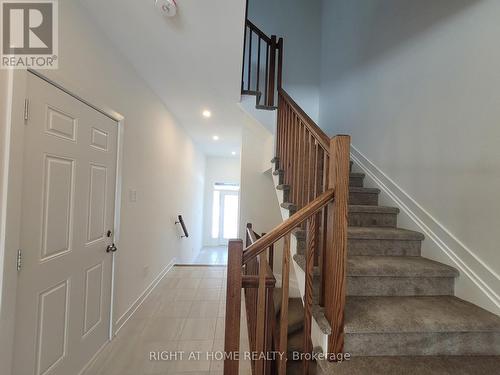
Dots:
{"x": 64, "y": 286}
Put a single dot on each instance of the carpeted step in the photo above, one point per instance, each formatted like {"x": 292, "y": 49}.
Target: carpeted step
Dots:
{"x": 295, "y": 311}
{"x": 355, "y": 179}
{"x": 286, "y": 191}
{"x": 363, "y": 196}
{"x": 374, "y": 241}
{"x": 391, "y": 276}
{"x": 398, "y": 276}
{"x": 415, "y": 365}
{"x": 383, "y": 241}
{"x": 373, "y": 216}
{"x": 407, "y": 326}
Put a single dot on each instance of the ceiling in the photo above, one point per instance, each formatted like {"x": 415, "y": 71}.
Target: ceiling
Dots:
{"x": 191, "y": 61}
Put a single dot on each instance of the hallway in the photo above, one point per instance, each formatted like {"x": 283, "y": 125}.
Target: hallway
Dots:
{"x": 183, "y": 315}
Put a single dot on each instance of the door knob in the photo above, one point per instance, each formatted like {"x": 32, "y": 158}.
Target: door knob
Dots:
{"x": 111, "y": 248}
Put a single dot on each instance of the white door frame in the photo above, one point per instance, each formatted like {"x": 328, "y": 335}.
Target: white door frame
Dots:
{"x": 10, "y": 230}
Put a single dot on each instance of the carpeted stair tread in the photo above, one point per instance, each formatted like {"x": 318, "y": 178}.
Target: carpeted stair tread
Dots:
{"x": 361, "y": 208}
{"x": 416, "y": 315}
{"x": 295, "y": 311}
{"x": 413, "y": 365}
{"x": 353, "y": 189}
{"x": 402, "y": 266}
{"x": 381, "y": 233}
{"x": 283, "y": 187}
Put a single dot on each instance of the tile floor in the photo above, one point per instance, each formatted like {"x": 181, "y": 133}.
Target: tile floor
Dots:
{"x": 216, "y": 255}
{"x": 185, "y": 313}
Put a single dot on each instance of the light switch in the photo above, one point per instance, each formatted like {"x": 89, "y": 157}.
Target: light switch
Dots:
{"x": 133, "y": 195}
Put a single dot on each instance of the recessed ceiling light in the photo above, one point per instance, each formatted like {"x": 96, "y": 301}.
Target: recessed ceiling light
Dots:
{"x": 206, "y": 113}
{"x": 215, "y": 137}
{"x": 233, "y": 153}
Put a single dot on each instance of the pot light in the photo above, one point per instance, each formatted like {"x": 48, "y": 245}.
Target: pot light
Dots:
{"x": 215, "y": 137}
{"x": 206, "y": 113}
{"x": 233, "y": 153}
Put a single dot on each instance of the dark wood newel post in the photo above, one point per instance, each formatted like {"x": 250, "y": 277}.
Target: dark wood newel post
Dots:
{"x": 233, "y": 306}
{"x": 336, "y": 246}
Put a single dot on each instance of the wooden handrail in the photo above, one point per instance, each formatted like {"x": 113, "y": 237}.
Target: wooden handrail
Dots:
{"x": 258, "y": 31}
{"x": 317, "y": 132}
{"x": 287, "y": 226}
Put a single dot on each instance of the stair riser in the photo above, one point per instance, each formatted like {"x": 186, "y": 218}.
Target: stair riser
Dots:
{"x": 368, "y": 219}
{"x": 435, "y": 343}
{"x": 369, "y": 199}
{"x": 356, "y": 181}
{"x": 383, "y": 247}
{"x": 400, "y": 286}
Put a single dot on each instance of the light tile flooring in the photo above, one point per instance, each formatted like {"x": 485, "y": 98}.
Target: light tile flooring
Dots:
{"x": 185, "y": 313}
{"x": 216, "y": 255}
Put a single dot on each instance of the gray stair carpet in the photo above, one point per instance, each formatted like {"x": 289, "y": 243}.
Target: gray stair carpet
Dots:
{"x": 401, "y": 313}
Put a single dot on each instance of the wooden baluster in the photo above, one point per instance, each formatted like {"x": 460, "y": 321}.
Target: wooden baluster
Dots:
{"x": 300, "y": 167}
{"x": 311, "y": 245}
{"x": 271, "y": 257}
{"x": 336, "y": 258}
{"x": 233, "y": 306}
{"x": 260, "y": 334}
{"x": 270, "y": 323}
{"x": 324, "y": 226}
{"x": 285, "y": 272}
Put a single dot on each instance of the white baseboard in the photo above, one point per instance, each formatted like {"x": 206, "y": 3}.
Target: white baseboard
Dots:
{"x": 484, "y": 286}
{"x": 122, "y": 320}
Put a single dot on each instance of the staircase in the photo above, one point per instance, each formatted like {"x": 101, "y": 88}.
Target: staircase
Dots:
{"x": 399, "y": 303}
{"x": 366, "y": 290}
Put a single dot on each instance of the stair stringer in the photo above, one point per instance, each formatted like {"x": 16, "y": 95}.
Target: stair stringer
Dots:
{"x": 318, "y": 336}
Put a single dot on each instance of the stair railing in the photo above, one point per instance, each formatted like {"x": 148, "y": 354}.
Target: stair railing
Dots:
{"x": 248, "y": 267}
{"x": 261, "y": 73}
{"x": 316, "y": 170}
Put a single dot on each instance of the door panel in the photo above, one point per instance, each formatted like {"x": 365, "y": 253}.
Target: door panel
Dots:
{"x": 64, "y": 286}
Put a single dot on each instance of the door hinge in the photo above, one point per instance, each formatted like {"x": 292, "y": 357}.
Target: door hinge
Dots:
{"x": 26, "y": 109}
{"x": 19, "y": 259}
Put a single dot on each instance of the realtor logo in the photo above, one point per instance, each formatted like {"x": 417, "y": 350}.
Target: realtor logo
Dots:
{"x": 29, "y": 34}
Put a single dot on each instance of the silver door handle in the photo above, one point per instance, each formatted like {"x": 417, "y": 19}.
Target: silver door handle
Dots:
{"x": 111, "y": 248}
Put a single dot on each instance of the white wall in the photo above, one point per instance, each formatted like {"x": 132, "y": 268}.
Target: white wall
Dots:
{"x": 217, "y": 169}
{"x": 298, "y": 22}
{"x": 417, "y": 85}
{"x": 258, "y": 202}
{"x": 160, "y": 161}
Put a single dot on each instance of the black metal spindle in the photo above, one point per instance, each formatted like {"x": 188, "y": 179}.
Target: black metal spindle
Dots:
{"x": 267, "y": 74}
{"x": 258, "y": 66}
{"x": 249, "y": 59}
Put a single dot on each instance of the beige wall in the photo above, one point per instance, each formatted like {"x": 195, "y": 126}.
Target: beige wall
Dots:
{"x": 160, "y": 161}
{"x": 217, "y": 169}
{"x": 417, "y": 85}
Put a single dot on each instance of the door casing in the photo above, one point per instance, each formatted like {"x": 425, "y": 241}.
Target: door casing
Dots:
{"x": 10, "y": 234}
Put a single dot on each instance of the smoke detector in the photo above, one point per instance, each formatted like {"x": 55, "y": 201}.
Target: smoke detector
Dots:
{"x": 167, "y": 7}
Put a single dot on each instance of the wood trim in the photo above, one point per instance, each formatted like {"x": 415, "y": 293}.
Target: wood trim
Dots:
{"x": 308, "y": 297}
{"x": 336, "y": 258}
{"x": 258, "y": 31}
{"x": 318, "y": 134}
{"x": 283, "y": 331}
{"x": 287, "y": 226}
{"x": 233, "y": 306}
